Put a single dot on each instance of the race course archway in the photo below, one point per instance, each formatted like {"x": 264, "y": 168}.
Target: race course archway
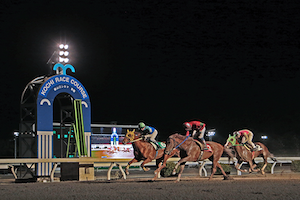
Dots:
{"x": 51, "y": 87}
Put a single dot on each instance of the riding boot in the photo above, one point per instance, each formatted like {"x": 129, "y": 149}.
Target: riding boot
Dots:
{"x": 156, "y": 143}
{"x": 254, "y": 148}
{"x": 204, "y": 143}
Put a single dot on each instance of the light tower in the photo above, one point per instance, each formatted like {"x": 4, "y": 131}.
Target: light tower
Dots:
{"x": 63, "y": 54}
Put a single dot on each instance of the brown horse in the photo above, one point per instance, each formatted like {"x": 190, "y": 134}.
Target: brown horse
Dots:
{"x": 143, "y": 150}
{"x": 243, "y": 154}
{"x": 191, "y": 151}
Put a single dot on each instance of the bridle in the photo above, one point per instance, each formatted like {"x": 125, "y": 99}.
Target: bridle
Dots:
{"x": 231, "y": 139}
{"x": 179, "y": 144}
{"x": 131, "y": 138}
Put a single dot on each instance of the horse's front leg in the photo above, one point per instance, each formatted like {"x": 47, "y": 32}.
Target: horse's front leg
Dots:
{"x": 145, "y": 162}
{"x": 237, "y": 166}
{"x": 182, "y": 160}
{"x": 161, "y": 166}
{"x": 252, "y": 166}
{"x": 128, "y": 165}
{"x": 180, "y": 172}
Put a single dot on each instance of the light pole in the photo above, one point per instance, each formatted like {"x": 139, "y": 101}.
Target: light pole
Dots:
{"x": 211, "y": 133}
{"x": 16, "y": 134}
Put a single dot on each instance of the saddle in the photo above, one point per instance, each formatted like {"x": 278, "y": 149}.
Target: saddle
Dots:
{"x": 249, "y": 147}
{"x": 202, "y": 146}
{"x": 160, "y": 145}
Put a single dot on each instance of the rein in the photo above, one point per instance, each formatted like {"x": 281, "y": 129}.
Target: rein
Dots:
{"x": 136, "y": 140}
{"x": 181, "y": 142}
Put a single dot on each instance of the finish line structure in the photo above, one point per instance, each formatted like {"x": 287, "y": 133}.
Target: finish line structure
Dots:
{"x": 52, "y": 87}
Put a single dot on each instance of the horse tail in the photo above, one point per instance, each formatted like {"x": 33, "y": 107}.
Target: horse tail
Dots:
{"x": 272, "y": 157}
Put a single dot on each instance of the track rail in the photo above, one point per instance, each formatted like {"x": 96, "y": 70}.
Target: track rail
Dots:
{"x": 100, "y": 162}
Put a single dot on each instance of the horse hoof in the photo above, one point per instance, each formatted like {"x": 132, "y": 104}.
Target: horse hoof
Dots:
{"x": 227, "y": 178}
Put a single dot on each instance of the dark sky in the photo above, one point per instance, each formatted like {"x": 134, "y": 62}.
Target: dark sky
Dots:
{"x": 231, "y": 65}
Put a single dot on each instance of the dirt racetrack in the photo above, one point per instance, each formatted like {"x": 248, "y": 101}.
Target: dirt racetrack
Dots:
{"x": 276, "y": 186}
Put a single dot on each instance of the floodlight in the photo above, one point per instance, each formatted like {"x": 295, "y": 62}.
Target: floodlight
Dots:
{"x": 66, "y": 53}
{"x": 264, "y": 137}
{"x": 63, "y": 53}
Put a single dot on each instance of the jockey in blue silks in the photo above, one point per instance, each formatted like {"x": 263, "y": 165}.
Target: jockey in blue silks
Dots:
{"x": 148, "y": 132}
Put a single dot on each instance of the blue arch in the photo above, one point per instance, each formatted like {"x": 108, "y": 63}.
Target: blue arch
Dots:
{"x": 50, "y": 89}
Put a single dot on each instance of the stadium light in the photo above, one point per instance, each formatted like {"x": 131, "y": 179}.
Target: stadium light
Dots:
{"x": 63, "y": 53}
{"x": 264, "y": 137}
{"x": 211, "y": 133}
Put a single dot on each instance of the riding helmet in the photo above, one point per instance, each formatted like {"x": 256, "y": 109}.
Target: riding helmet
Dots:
{"x": 141, "y": 125}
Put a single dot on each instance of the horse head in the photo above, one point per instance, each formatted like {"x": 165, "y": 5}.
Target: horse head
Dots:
{"x": 231, "y": 141}
{"x": 171, "y": 143}
{"x": 131, "y": 136}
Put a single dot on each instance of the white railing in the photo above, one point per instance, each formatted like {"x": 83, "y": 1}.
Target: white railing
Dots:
{"x": 98, "y": 162}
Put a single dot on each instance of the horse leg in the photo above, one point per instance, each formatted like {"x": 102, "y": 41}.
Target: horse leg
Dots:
{"x": 214, "y": 169}
{"x": 237, "y": 166}
{"x": 180, "y": 172}
{"x": 265, "y": 164}
{"x": 182, "y": 160}
{"x": 163, "y": 165}
{"x": 252, "y": 167}
{"x": 145, "y": 162}
{"x": 128, "y": 165}
{"x": 158, "y": 164}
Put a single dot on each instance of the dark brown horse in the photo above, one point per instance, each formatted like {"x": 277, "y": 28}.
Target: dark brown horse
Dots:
{"x": 143, "y": 151}
{"x": 191, "y": 151}
{"x": 243, "y": 154}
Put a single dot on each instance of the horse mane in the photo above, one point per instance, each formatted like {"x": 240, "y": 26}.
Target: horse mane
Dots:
{"x": 177, "y": 135}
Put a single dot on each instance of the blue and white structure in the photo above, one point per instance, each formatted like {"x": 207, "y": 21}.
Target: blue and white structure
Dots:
{"x": 52, "y": 87}
{"x": 114, "y": 138}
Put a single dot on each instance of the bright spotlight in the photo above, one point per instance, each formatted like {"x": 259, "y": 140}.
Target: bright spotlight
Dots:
{"x": 264, "y": 137}
{"x": 63, "y": 53}
{"x": 66, "y": 53}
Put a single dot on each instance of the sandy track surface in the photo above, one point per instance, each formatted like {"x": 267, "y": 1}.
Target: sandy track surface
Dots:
{"x": 276, "y": 186}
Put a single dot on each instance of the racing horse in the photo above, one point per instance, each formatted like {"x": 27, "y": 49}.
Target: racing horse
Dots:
{"x": 243, "y": 154}
{"x": 191, "y": 151}
{"x": 144, "y": 150}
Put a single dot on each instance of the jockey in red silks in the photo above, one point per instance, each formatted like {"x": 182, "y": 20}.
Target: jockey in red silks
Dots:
{"x": 198, "y": 130}
{"x": 246, "y": 136}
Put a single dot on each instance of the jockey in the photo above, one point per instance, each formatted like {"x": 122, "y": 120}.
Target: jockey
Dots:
{"x": 148, "y": 132}
{"x": 246, "y": 136}
{"x": 198, "y": 130}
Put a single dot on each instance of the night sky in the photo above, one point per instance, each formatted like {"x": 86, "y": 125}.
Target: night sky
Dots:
{"x": 230, "y": 65}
